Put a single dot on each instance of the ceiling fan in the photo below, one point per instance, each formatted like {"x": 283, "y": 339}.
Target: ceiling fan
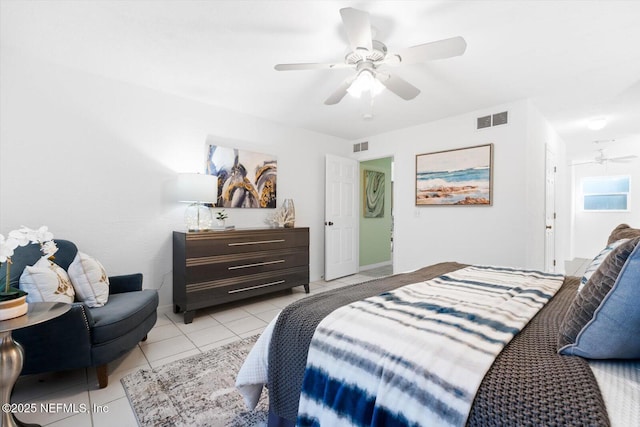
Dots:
{"x": 367, "y": 56}
{"x": 601, "y": 159}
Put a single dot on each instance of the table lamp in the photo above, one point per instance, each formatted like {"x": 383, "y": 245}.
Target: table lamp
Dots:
{"x": 197, "y": 189}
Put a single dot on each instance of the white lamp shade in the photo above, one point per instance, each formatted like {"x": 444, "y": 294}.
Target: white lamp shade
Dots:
{"x": 196, "y": 187}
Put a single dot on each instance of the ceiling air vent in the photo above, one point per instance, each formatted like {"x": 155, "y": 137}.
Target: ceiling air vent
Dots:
{"x": 356, "y": 147}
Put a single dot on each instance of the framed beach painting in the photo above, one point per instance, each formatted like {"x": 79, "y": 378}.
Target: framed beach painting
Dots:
{"x": 246, "y": 179}
{"x": 455, "y": 177}
{"x": 373, "y": 194}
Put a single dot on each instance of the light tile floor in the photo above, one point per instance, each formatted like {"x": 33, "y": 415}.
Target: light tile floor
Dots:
{"x": 66, "y": 394}
{"x": 576, "y": 266}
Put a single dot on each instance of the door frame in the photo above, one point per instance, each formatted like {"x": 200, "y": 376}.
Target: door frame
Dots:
{"x": 550, "y": 209}
{"x": 359, "y": 159}
{"x": 365, "y": 158}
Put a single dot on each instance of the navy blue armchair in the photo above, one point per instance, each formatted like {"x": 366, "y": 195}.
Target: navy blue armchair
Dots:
{"x": 84, "y": 337}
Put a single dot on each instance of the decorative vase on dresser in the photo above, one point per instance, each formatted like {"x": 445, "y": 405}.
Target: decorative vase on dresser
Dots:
{"x": 211, "y": 268}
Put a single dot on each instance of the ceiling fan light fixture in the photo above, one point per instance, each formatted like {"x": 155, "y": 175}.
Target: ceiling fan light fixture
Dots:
{"x": 363, "y": 53}
{"x": 597, "y": 123}
{"x": 366, "y": 54}
{"x": 363, "y": 83}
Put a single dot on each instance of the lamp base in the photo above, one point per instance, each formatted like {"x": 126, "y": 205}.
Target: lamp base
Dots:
{"x": 197, "y": 217}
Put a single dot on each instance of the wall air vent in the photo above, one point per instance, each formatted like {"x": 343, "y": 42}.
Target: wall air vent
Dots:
{"x": 492, "y": 120}
{"x": 484, "y": 122}
{"x": 360, "y": 146}
{"x": 500, "y": 118}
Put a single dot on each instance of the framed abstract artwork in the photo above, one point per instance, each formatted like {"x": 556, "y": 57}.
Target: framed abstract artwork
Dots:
{"x": 373, "y": 194}
{"x": 245, "y": 179}
{"x": 463, "y": 176}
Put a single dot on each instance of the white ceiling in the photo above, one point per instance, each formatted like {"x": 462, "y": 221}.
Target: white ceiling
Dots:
{"x": 574, "y": 59}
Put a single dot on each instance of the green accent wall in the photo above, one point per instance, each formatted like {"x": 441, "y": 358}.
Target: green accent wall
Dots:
{"x": 375, "y": 233}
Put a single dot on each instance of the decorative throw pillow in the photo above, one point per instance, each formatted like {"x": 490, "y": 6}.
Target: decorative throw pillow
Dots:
{"x": 603, "y": 322}
{"x": 89, "y": 280}
{"x": 46, "y": 282}
{"x": 597, "y": 261}
{"x": 623, "y": 231}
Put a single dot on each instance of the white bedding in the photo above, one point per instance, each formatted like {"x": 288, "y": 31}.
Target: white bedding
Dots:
{"x": 252, "y": 376}
{"x": 619, "y": 381}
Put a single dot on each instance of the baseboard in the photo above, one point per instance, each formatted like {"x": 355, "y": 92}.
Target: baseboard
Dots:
{"x": 377, "y": 265}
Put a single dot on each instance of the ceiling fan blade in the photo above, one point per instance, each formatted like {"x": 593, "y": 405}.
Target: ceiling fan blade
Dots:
{"x": 399, "y": 86}
{"x": 309, "y": 66}
{"x": 358, "y": 26}
{"x": 622, "y": 158}
{"x": 339, "y": 93}
{"x": 583, "y": 163}
{"x": 440, "y": 49}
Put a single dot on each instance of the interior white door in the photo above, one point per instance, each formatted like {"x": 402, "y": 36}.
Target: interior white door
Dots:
{"x": 341, "y": 217}
{"x": 550, "y": 212}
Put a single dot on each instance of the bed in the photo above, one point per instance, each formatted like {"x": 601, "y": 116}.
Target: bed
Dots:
{"x": 383, "y": 352}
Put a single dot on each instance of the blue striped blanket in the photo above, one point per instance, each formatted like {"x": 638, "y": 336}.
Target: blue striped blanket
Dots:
{"x": 416, "y": 356}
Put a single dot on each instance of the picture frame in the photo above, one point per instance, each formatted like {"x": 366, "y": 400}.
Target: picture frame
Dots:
{"x": 373, "y": 203}
{"x": 246, "y": 179}
{"x": 458, "y": 177}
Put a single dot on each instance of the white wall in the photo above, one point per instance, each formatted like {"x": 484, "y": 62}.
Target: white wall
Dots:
{"x": 591, "y": 229}
{"x": 506, "y": 233}
{"x": 94, "y": 160}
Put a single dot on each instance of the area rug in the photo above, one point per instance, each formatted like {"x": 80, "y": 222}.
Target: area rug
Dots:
{"x": 196, "y": 391}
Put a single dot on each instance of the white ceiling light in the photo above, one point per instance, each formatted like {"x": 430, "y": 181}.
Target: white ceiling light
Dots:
{"x": 365, "y": 82}
{"x": 597, "y": 123}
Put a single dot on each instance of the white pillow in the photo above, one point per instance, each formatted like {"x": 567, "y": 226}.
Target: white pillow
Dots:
{"x": 46, "y": 282}
{"x": 89, "y": 280}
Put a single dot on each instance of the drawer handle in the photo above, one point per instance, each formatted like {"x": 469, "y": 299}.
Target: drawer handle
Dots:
{"x": 256, "y": 243}
{"x": 257, "y": 264}
{"x": 256, "y": 287}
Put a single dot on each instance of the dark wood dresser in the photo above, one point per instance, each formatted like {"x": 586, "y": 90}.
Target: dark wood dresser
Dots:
{"x": 215, "y": 267}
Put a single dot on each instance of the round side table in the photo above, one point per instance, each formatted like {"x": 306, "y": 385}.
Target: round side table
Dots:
{"x": 12, "y": 354}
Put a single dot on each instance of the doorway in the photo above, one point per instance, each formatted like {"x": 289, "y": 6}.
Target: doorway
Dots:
{"x": 376, "y": 217}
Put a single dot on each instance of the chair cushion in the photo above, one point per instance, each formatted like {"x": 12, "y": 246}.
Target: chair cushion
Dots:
{"x": 121, "y": 314}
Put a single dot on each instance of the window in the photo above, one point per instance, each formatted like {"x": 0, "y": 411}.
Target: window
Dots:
{"x": 605, "y": 193}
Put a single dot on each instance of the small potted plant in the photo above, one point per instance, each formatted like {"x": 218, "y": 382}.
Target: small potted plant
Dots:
{"x": 221, "y": 216}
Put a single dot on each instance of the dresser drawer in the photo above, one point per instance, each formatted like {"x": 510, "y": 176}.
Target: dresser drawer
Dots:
{"x": 212, "y": 292}
{"x": 233, "y": 242}
{"x": 222, "y": 266}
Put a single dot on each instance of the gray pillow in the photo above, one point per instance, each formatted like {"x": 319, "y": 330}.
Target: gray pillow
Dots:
{"x": 623, "y": 231}
{"x": 597, "y": 261}
{"x": 603, "y": 321}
